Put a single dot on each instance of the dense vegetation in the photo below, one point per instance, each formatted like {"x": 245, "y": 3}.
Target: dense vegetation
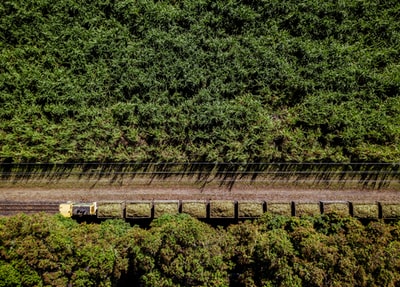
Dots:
{"x": 199, "y": 80}
{"x": 43, "y": 250}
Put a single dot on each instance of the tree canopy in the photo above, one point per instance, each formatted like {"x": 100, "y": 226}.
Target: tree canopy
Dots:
{"x": 184, "y": 80}
{"x": 44, "y": 250}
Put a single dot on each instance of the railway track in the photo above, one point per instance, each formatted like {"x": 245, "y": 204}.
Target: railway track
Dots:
{"x": 214, "y": 209}
{"x": 15, "y": 207}
{"x": 21, "y": 184}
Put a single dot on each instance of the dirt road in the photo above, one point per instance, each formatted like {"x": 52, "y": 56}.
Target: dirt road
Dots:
{"x": 238, "y": 192}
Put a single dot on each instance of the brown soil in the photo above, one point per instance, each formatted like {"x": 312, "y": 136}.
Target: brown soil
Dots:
{"x": 95, "y": 191}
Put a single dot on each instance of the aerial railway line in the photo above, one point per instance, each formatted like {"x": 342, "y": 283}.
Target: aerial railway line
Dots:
{"x": 36, "y": 187}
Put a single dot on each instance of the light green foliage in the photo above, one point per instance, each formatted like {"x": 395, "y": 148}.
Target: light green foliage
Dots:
{"x": 45, "y": 251}
{"x": 9, "y": 276}
{"x": 202, "y": 80}
{"x": 181, "y": 251}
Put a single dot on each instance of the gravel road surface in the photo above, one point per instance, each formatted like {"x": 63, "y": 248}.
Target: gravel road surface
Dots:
{"x": 150, "y": 192}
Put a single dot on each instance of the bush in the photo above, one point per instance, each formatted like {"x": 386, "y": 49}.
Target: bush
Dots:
{"x": 43, "y": 250}
{"x": 181, "y": 251}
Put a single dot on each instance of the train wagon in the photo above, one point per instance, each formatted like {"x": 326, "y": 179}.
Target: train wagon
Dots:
{"x": 227, "y": 209}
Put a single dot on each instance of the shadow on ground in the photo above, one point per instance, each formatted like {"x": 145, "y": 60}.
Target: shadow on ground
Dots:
{"x": 365, "y": 175}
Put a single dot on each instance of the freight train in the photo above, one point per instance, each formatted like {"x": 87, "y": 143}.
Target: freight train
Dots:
{"x": 226, "y": 209}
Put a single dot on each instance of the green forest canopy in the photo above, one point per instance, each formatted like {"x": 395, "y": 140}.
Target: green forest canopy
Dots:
{"x": 199, "y": 80}
{"x": 44, "y": 250}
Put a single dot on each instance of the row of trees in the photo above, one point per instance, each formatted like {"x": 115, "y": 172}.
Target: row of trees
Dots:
{"x": 205, "y": 80}
{"x": 43, "y": 250}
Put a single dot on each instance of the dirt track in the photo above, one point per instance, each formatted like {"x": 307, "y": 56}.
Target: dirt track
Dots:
{"x": 238, "y": 192}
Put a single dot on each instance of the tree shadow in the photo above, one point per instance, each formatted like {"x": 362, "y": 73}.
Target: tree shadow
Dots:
{"x": 202, "y": 174}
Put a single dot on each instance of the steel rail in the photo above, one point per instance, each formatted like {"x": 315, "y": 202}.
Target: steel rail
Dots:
{"x": 15, "y": 207}
{"x": 7, "y": 174}
{"x": 199, "y": 163}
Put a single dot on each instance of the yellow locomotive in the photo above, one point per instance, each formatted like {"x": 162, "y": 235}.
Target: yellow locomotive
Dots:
{"x": 70, "y": 209}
